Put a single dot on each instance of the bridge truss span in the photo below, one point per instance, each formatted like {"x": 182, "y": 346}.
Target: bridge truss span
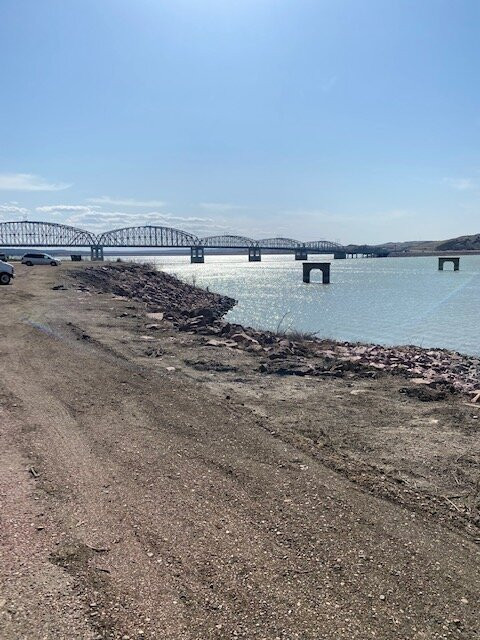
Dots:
{"x": 227, "y": 242}
{"x": 280, "y": 243}
{"x": 51, "y": 234}
{"x": 43, "y": 234}
{"x": 324, "y": 246}
{"x": 147, "y": 236}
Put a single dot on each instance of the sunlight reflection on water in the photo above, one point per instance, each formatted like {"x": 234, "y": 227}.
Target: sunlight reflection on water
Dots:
{"x": 387, "y": 300}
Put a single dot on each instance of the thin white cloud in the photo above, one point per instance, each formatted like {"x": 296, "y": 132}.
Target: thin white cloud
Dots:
{"x": 29, "y": 182}
{"x": 106, "y": 220}
{"x": 460, "y": 184}
{"x": 13, "y": 208}
{"x": 65, "y": 208}
{"x": 126, "y": 202}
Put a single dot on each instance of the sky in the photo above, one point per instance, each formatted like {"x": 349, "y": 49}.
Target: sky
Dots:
{"x": 347, "y": 120}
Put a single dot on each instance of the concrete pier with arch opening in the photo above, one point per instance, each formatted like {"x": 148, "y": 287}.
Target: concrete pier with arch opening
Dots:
{"x": 455, "y": 260}
{"x": 324, "y": 267}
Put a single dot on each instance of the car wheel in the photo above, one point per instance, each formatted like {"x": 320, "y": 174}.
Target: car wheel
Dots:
{"x": 29, "y": 264}
{"x": 4, "y": 278}
{"x": 54, "y": 264}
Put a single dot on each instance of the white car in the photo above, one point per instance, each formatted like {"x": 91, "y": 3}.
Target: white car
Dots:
{"x": 7, "y": 272}
{"x": 39, "y": 258}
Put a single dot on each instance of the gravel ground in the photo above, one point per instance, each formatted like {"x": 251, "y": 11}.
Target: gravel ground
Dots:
{"x": 155, "y": 486}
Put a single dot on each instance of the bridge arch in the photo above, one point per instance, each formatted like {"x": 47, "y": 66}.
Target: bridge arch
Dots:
{"x": 147, "y": 236}
{"x": 325, "y": 246}
{"x": 29, "y": 233}
{"x": 280, "y": 243}
{"x": 227, "y": 242}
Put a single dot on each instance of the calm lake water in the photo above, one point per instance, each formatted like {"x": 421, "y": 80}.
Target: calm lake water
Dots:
{"x": 388, "y": 300}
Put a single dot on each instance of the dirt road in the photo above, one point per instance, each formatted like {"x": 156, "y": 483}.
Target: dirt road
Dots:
{"x": 154, "y": 487}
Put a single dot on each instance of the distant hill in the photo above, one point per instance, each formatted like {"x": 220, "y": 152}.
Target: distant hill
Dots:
{"x": 409, "y": 245}
{"x": 462, "y": 243}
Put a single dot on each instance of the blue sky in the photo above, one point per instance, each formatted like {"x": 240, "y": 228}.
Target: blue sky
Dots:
{"x": 340, "y": 119}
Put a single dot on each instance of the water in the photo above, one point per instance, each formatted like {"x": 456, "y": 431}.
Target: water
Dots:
{"x": 388, "y": 300}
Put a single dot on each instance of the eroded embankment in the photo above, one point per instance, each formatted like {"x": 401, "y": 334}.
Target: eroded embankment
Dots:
{"x": 190, "y": 308}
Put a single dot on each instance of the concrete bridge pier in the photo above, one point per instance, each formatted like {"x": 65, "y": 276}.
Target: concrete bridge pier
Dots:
{"x": 301, "y": 254}
{"x": 339, "y": 255}
{"x": 96, "y": 252}
{"x": 254, "y": 254}
{"x": 197, "y": 255}
{"x": 324, "y": 268}
{"x": 456, "y": 263}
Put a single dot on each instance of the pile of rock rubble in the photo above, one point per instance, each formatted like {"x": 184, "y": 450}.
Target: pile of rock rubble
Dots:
{"x": 285, "y": 355}
{"x": 159, "y": 291}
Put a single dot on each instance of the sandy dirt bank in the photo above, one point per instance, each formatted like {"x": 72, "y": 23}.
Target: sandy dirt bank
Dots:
{"x": 156, "y": 484}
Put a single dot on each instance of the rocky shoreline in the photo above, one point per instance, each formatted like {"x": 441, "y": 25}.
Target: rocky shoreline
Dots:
{"x": 189, "y": 308}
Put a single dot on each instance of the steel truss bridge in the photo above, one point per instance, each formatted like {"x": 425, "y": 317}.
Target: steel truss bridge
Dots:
{"x": 49, "y": 234}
